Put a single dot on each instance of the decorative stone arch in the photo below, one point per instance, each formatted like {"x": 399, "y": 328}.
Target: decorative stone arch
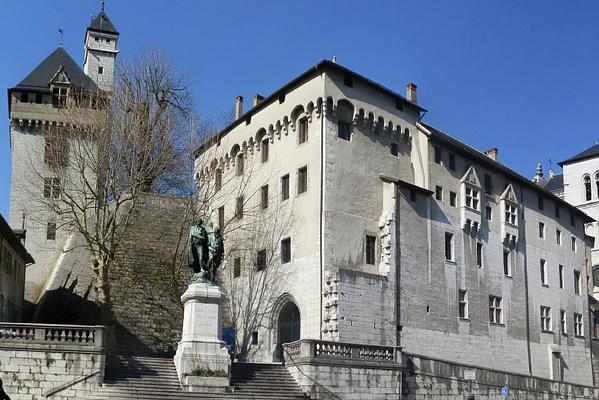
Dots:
{"x": 309, "y": 111}
{"x": 297, "y": 113}
{"x": 260, "y": 137}
{"x": 235, "y": 149}
{"x": 285, "y": 323}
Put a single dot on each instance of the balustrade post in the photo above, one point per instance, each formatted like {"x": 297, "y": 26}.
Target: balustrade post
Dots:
{"x": 99, "y": 337}
{"x": 39, "y": 334}
{"x": 355, "y": 352}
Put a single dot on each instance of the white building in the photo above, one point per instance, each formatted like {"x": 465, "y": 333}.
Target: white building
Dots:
{"x": 400, "y": 235}
{"x": 34, "y": 107}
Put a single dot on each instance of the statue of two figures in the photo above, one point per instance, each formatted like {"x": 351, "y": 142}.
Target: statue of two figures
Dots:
{"x": 205, "y": 252}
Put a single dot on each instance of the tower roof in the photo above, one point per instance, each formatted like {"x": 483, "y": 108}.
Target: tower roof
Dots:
{"x": 591, "y": 152}
{"x": 41, "y": 76}
{"x": 102, "y": 24}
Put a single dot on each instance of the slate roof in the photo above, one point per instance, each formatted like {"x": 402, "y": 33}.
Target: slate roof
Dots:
{"x": 490, "y": 163}
{"x": 102, "y": 24}
{"x": 592, "y": 151}
{"x": 555, "y": 184}
{"x": 39, "y": 79}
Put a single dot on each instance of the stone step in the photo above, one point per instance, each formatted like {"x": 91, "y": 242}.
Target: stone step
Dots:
{"x": 107, "y": 392}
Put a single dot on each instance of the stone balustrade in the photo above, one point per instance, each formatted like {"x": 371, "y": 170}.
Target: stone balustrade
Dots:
{"x": 339, "y": 351}
{"x": 53, "y": 337}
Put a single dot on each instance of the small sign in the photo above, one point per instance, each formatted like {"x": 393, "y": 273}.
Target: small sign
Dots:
{"x": 505, "y": 392}
{"x": 470, "y": 374}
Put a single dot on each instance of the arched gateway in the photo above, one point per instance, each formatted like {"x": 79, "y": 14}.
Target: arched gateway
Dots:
{"x": 288, "y": 327}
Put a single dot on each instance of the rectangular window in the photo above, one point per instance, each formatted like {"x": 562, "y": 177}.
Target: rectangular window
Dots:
{"x": 24, "y": 97}
{"x": 507, "y": 265}
{"x": 472, "y": 198}
{"x": 578, "y": 324}
{"x": 100, "y": 70}
{"x": 51, "y": 188}
{"x": 463, "y": 304}
{"x": 394, "y": 149}
{"x": 239, "y": 208}
{"x": 541, "y": 230}
{"x": 540, "y": 202}
{"x": 558, "y": 237}
{"x": 449, "y": 246}
{"x": 261, "y": 260}
{"x": 573, "y": 241}
{"x": 254, "y": 338}
{"x": 511, "y": 215}
{"x": 495, "y": 310}
{"x": 543, "y": 270}
{"x": 488, "y": 183}
{"x": 59, "y": 96}
{"x": 302, "y": 180}
{"x": 38, "y": 98}
{"x": 488, "y": 213}
{"x": 218, "y": 180}
{"x": 264, "y": 197}
{"x": 264, "y": 150}
{"x": 439, "y": 193}
{"x": 285, "y": 250}
{"x": 55, "y": 150}
{"x": 51, "y": 231}
{"x": 595, "y": 331}
{"x": 303, "y": 130}
{"x": 577, "y": 282}
{"x": 453, "y": 198}
{"x": 452, "y": 161}
{"x": 546, "y": 319}
{"x": 236, "y": 267}
{"x": 438, "y": 155}
{"x": 285, "y": 187}
{"x": 240, "y": 165}
{"x": 370, "y": 249}
{"x": 563, "y": 322}
{"x": 561, "y": 276}
{"x": 343, "y": 130}
{"x": 479, "y": 254}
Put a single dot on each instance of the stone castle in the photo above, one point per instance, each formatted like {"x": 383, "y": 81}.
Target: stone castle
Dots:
{"x": 363, "y": 244}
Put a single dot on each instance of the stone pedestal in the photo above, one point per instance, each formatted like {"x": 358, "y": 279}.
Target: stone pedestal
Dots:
{"x": 202, "y": 360}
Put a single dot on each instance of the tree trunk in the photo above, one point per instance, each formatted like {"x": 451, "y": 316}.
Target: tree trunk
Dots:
{"x": 102, "y": 285}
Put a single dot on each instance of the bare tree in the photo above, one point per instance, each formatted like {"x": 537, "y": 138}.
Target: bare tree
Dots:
{"x": 253, "y": 273}
{"x": 111, "y": 149}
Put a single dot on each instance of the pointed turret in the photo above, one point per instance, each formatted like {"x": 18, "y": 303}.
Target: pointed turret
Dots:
{"x": 100, "y": 51}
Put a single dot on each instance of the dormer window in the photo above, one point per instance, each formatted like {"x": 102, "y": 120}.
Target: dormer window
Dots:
{"x": 511, "y": 213}
{"x": 472, "y": 198}
{"x": 59, "y": 96}
{"x": 100, "y": 70}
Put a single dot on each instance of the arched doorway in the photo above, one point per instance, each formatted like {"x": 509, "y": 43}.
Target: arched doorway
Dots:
{"x": 288, "y": 327}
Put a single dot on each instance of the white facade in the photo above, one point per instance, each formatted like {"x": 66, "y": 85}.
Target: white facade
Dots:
{"x": 385, "y": 192}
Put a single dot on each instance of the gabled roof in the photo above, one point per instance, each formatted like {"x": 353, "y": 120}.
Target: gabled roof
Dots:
{"x": 592, "y": 151}
{"x": 554, "y": 184}
{"x": 487, "y": 161}
{"x": 39, "y": 79}
{"x": 102, "y": 24}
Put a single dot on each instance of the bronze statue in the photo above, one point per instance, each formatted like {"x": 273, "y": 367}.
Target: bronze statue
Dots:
{"x": 205, "y": 252}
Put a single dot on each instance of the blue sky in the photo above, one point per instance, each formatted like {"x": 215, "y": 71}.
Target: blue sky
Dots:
{"x": 518, "y": 75}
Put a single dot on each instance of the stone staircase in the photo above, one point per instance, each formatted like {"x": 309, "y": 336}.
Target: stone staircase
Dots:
{"x": 146, "y": 378}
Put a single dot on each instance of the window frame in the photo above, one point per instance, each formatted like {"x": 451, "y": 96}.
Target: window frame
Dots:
{"x": 449, "y": 247}
{"x": 302, "y": 180}
{"x": 507, "y": 263}
{"x": 344, "y": 130}
{"x": 463, "y": 304}
{"x": 496, "y": 310}
{"x": 285, "y": 187}
{"x": 546, "y": 323}
{"x": 370, "y": 249}
{"x": 285, "y": 250}
{"x": 264, "y": 197}
{"x": 543, "y": 272}
{"x": 302, "y": 136}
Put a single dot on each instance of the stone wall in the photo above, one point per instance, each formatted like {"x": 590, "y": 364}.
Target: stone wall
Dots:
{"x": 147, "y": 280}
{"x": 150, "y": 276}
{"x": 64, "y": 363}
{"x": 429, "y": 378}
{"x": 595, "y": 361}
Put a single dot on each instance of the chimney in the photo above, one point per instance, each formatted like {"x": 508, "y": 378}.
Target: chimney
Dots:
{"x": 493, "y": 153}
{"x": 411, "y": 93}
{"x": 257, "y": 99}
{"x": 238, "y": 106}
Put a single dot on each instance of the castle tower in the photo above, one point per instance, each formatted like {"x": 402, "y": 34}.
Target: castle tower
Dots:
{"x": 100, "y": 51}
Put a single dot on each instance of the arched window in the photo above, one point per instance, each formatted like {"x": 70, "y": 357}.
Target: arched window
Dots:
{"x": 597, "y": 183}
{"x": 587, "y": 187}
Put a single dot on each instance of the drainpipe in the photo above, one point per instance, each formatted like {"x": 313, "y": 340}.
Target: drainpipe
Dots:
{"x": 526, "y": 291}
{"x": 322, "y": 117}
